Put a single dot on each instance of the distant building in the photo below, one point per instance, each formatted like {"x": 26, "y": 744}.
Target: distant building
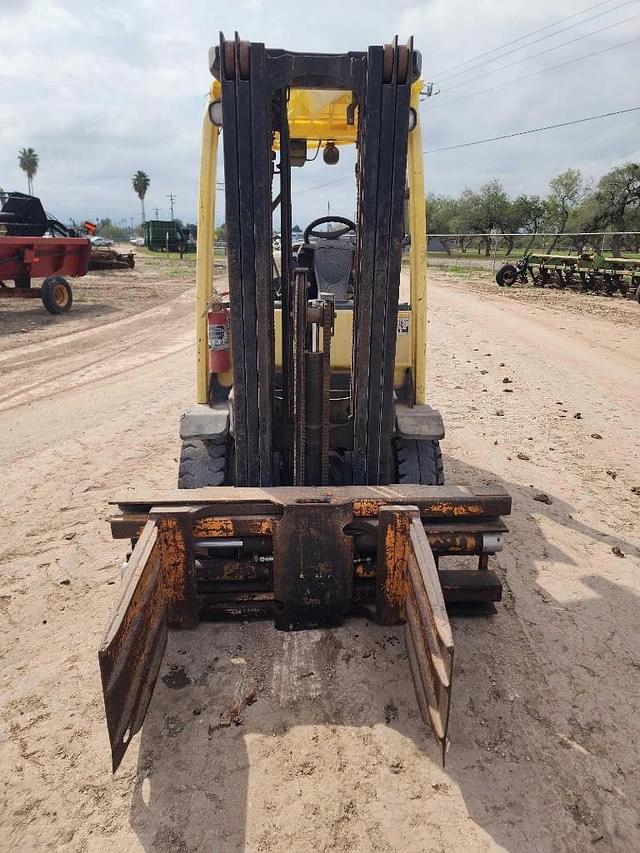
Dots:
{"x": 163, "y": 236}
{"x": 436, "y": 245}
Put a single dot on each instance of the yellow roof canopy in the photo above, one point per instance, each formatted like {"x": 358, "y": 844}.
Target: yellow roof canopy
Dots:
{"x": 319, "y": 115}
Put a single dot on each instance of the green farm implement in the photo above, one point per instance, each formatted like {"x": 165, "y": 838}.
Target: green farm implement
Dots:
{"x": 587, "y": 271}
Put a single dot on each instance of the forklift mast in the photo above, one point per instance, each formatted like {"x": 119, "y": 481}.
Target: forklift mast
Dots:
{"x": 255, "y": 84}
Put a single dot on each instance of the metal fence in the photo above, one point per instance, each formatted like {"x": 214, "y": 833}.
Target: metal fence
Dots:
{"x": 542, "y": 241}
{"x": 483, "y": 249}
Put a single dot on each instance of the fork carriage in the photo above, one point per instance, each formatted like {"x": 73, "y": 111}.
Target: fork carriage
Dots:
{"x": 307, "y": 558}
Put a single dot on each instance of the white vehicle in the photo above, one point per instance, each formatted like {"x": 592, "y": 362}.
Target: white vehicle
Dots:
{"x": 101, "y": 241}
{"x": 137, "y": 241}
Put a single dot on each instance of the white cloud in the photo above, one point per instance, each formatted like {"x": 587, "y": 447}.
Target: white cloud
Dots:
{"x": 103, "y": 91}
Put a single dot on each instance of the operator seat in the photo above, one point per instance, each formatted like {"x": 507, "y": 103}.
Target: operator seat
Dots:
{"x": 329, "y": 259}
{"x": 332, "y": 265}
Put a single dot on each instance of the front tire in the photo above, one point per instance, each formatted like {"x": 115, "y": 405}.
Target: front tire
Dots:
{"x": 507, "y": 275}
{"x": 419, "y": 462}
{"x": 203, "y": 463}
{"x": 57, "y": 297}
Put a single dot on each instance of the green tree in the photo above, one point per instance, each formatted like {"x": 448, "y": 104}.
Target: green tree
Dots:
{"x": 442, "y": 212}
{"x": 486, "y": 210}
{"x": 632, "y": 221}
{"x": 567, "y": 191}
{"x": 529, "y": 213}
{"x": 140, "y": 183}
{"x": 107, "y": 228}
{"x": 616, "y": 197}
{"x": 29, "y": 161}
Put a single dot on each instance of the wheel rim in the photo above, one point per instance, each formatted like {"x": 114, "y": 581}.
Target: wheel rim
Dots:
{"x": 60, "y": 295}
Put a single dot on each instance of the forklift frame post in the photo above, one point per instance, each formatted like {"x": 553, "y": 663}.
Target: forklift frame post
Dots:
{"x": 204, "y": 257}
{"x": 418, "y": 253}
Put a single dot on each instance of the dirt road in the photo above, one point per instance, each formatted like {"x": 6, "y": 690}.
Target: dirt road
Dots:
{"x": 332, "y": 754}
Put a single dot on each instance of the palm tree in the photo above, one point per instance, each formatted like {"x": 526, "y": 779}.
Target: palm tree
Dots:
{"x": 140, "y": 183}
{"x": 28, "y": 160}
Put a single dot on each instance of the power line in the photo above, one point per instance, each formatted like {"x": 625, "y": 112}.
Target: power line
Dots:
{"x": 534, "y": 74}
{"x": 542, "y": 52}
{"x": 491, "y": 139}
{"x": 445, "y": 75}
{"x": 520, "y": 38}
{"x": 327, "y": 184}
{"x": 532, "y": 130}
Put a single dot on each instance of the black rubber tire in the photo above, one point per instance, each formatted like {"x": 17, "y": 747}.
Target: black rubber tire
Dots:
{"x": 507, "y": 275}
{"x": 52, "y": 287}
{"x": 419, "y": 462}
{"x": 203, "y": 463}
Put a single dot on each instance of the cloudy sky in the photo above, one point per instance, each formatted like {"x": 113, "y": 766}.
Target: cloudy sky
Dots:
{"x": 101, "y": 90}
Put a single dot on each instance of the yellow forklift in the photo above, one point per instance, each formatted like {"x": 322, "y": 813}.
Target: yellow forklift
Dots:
{"x": 311, "y": 484}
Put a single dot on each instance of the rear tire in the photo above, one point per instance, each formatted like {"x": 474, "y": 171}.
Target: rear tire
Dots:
{"x": 419, "y": 462}
{"x": 57, "y": 297}
{"x": 203, "y": 463}
{"x": 507, "y": 275}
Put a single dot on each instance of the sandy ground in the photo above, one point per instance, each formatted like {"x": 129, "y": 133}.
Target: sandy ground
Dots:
{"x": 332, "y": 755}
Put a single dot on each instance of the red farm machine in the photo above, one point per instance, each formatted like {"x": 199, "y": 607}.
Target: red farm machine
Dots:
{"x": 36, "y": 246}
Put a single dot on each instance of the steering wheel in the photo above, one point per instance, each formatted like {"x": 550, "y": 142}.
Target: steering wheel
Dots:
{"x": 336, "y": 234}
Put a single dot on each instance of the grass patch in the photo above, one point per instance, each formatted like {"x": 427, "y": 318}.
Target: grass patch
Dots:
{"x": 501, "y": 258}
{"x": 189, "y": 258}
{"x": 518, "y": 253}
{"x": 466, "y": 272}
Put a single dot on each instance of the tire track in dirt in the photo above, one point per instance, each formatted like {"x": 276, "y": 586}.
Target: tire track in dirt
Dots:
{"x": 62, "y": 370}
{"x": 31, "y": 354}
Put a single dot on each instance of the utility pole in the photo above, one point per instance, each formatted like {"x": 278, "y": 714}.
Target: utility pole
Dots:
{"x": 172, "y": 199}
{"x": 157, "y": 210}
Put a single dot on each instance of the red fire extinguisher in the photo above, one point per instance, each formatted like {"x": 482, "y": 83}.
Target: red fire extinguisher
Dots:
{"x": 218, "y": 336}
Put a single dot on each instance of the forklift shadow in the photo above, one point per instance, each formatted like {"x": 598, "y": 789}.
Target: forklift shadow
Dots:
{"x": 245, "y": 719}
{"x": 314, "y": 738}
{"x": 529, "y": 518}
